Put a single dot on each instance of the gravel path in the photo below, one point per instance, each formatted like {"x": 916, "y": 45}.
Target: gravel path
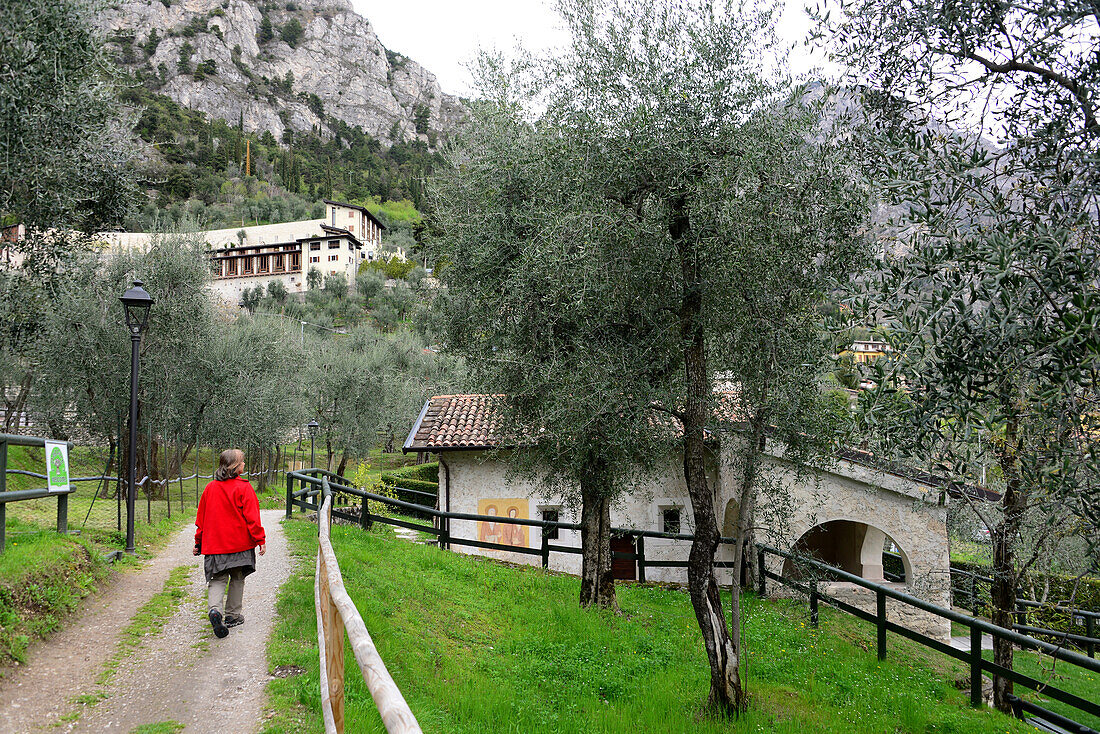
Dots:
{"x": 182, "y": 674}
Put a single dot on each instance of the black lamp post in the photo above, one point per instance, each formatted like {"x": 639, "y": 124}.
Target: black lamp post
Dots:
{"x": 135, "y": 303}
{"x": 313, "y": 427}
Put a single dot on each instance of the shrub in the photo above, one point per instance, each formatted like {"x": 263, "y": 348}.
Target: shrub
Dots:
{"x": 428, "y": 472}
{"x": 291, "y": 32}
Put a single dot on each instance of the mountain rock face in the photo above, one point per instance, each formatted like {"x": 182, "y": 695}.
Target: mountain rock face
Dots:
{"x": 244, "y": 53}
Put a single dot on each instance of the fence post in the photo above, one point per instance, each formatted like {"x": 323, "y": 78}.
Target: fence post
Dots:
{"x": 1090, "y": 647}
{"x": 3, "y": 488}
{"x": 546, "y": 547}
{"x": 444, "y": 533}
{"x": 975, "y": 666}
{"x": 880, "y": 621}
{"x": 63, "y": 513}
{"x": 289, "y": 496}
{"x": 640, "y": 550}
{"x": 366, "y": 520}
{"x": 974, "y": 593}
{"x": 763, "y": 579}
{"x": 813, "y": 603}
{"x": 333, "y": 631}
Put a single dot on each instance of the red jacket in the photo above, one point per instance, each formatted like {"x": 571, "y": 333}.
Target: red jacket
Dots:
{"x": 228, "y": 520}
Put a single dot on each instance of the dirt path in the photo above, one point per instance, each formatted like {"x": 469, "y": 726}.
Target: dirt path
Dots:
{"x": 182, "y": 674}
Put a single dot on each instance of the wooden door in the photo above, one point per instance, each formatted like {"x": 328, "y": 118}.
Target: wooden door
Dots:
{"x": 623, "y": 569}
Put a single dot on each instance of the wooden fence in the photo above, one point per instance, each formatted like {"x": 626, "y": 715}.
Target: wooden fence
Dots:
{"x": 336, "y": 613}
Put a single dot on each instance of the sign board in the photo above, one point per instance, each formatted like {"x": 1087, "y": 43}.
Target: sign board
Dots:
{"x": 57, "y": 466}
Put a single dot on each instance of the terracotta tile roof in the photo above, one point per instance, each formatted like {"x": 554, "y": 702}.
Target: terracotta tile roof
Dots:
{"x": 456, "y": 422}
{"x": 450, "y": 422}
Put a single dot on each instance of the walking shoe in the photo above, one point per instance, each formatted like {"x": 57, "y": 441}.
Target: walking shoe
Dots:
{"x": 220, "y": 630}
{"x": 232, "y": 620}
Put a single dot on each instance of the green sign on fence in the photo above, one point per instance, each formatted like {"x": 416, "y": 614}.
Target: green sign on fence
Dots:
{"x": 57, "y": 466}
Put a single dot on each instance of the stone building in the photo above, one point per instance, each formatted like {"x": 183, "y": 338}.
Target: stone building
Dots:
{"x": 845, "y": 514}
{"x": 244, "y": 257}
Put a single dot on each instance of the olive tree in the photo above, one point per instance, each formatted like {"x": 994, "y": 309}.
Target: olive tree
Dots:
{"x": 64, "y": 139}
{"x": 653, "y": 205}
{"x": 988, "y": 114}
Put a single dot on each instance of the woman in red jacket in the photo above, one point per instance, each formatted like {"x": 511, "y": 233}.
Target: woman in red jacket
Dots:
{"x": 228, "y": 530}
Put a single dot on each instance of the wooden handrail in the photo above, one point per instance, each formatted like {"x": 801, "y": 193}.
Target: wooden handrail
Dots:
{"x": 336, "y": 613}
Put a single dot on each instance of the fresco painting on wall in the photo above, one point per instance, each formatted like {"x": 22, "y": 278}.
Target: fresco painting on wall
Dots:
{"x": 503, "y": 533}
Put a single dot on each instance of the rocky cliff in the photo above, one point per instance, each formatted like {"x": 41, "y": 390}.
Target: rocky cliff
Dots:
{"x": 279, "y": 65}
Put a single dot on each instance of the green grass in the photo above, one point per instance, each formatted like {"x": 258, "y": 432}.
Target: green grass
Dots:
{"x": 478, "y": 646}
{"x": 43, "y": 577}
{"x": 161, "y": 727}
{"x": 967, "y": 551}
{"x": 1069, "y": 678}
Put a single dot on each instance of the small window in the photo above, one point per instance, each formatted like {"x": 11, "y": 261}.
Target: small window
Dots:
{"x": 315, "y": 245}
{"x": 670, "y": 520}
{"x": 333, "y": 244}
{"x": 232, "y": 269}
{"x": 550, "y": 516}
{"x": 350, "y": 214}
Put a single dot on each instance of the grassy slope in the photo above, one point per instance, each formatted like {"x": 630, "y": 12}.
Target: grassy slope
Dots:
{"x": 477, "y": 646}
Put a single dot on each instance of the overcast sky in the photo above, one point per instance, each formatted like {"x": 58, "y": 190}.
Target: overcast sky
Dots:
{"x": 442, "y": 35}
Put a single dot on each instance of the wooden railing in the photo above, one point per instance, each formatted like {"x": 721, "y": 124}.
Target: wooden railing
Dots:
{"x": 335, "y": 613}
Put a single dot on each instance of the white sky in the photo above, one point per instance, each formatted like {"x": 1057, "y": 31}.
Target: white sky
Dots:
{"x": 442, "y": 35}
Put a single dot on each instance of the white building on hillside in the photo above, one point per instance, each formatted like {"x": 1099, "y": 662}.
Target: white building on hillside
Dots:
{"x": 244, "y": 257}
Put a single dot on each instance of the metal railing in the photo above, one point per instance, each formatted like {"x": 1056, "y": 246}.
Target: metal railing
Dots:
{"x": 310, "y": 487}
{"x": 972, "y": 656}
{"x": 971, "y": 597}
{"x": 63, "y": 497}
{"x": 28, "y": 494}
{"x": 336, "y": 613}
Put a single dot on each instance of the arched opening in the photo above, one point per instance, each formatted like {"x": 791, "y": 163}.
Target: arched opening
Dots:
{"x": 855, "y": 547}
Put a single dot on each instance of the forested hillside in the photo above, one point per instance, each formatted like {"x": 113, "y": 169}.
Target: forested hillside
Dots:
{"x": 216, "y": 173}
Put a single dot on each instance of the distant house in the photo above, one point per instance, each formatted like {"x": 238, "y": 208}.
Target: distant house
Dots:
{"x": 866, "y": 351}
{"x": 244, "y": 257}
{"x": 845, "y": 515}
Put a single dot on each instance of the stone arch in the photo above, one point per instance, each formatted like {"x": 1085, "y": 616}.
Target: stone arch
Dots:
{"x": 851, "y": 545}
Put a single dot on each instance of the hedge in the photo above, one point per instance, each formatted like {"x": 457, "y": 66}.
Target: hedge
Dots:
{"x": 423, "y": 472}
{"x": 1086, "y": 596}
{"x": 416, "y": 484}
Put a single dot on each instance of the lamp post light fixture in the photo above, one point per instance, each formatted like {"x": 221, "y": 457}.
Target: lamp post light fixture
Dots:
{"x": 136, "y": 304}
{"x": 313, "y": 427}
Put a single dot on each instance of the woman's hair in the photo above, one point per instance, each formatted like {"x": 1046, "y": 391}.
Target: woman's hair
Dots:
{"x": 228, "y": 462}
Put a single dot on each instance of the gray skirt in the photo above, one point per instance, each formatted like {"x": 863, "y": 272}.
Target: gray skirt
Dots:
{"x": 219, "y": 563}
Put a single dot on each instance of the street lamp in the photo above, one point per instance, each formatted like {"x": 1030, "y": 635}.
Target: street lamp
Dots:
{"x": 135, "y": 303}
{"x": 313, "y": 426}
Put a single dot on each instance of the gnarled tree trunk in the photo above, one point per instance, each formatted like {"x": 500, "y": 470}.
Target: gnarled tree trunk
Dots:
{"x": 597, "y": 583}
{"x": 1003, "y": 591}
{"x": 726, "y": 695}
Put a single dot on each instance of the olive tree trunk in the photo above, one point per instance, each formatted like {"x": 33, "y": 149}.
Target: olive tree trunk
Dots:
{"x": 1003, "y": 537}
{"x": 726, "y": 695}
{"x": 597, "y": 583}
